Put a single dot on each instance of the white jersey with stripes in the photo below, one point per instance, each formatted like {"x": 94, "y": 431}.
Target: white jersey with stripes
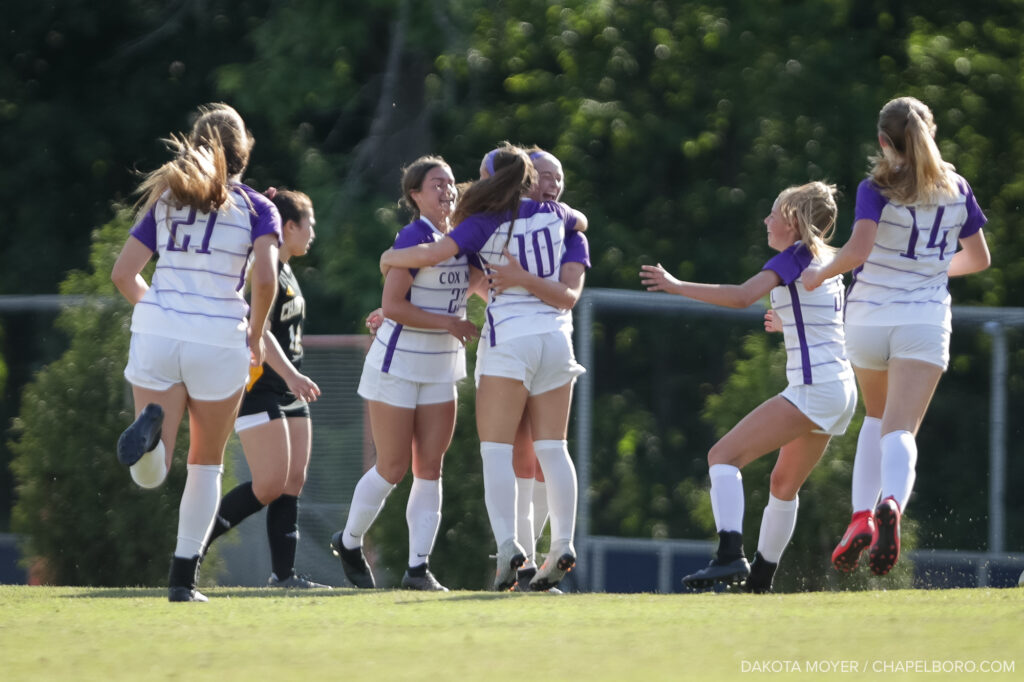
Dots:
{"x": 905, "y": 278}
{"x": 196, "y": 292}
{"x": 426, "y": 355}
{"x": 537, "y": 238}
{"x": 812, "y": 321}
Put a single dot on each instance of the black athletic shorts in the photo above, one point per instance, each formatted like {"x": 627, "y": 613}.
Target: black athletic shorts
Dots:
{"x": 276, "y": 405}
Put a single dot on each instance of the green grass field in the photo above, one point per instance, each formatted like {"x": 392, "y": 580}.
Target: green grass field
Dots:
{"x": 259, "y": 634}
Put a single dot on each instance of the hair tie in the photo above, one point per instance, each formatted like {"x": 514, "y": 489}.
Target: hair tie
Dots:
{"x": 489, "y": 161}
{"x": 271, "y": 192}
{"x": 536, "y": 155}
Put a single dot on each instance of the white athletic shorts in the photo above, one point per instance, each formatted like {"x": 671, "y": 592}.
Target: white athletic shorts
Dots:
{"x": 208, "y": 372}
{"x": 829, "y": 405}
{"x": 386, "y": 388}
{"x": 872, "y": 347}
{"x": 543, "y": 362}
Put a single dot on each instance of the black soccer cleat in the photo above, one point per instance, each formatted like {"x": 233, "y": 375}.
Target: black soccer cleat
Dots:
{"x": 182, "y": 580}
{"x": 729, "y": 567}
{"x": 142, "y": 436}
{"x": 353, "y": 563}
{"x": 420, "y": 578}
{"x": 762, "y": 575}
{"x": 728, "y": 573}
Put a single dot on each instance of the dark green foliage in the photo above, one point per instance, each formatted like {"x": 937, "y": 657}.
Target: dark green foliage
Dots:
{"x": 81, "y": 518}
{"x": 677, "y": 123}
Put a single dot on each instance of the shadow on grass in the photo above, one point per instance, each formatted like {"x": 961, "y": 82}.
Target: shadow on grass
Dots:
{"x": 211, "y": 592}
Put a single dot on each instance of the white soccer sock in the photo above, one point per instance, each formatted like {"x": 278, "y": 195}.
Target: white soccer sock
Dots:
{"x": 524, "y": 516}
{"x": 867, "y": 466}
{"x": 727, "y": 497}
{"x": 777, "y": 525}
{"x": 199, "y": 501}
{"x": 562, "y": 488}
{"x": 367, "y": 501}
{"x": 540, "y": 508}
{"x": 151, "y": 470}
{"x": 423, "y": 516}
{"x": 499, "y": 489}
{"x": 899, "y": 457}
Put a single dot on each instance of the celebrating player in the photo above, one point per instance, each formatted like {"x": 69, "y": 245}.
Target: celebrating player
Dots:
{"x": 525, "y": 357}
{"x": 191, "y": 343}
{"x": 817, "y": 404}
{"x": 911, "y": 212}
{"x": 409, "y": 379}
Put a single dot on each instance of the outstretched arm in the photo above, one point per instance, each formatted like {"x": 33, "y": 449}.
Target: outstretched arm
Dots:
{"x": 852, "y": 255}
{"x": 419, "y": 256}
{"x": 656, "y": 278}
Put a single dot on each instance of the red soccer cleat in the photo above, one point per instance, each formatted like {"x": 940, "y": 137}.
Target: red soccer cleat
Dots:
{"x": 885, "y": 544}
{"x": 858, "y": 536}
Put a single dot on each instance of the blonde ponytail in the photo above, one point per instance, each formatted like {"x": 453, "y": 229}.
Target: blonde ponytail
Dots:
{"x": 910, "y": 169}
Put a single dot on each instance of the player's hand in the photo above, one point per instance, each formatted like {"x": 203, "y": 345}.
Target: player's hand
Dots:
{"x": 257, "y": 351}
{"x": 657, "y": 278}
{"x": 463, "y": 330}
{"x": 812, "y": 277}
{"x": 772, "y": 323}
{"x": 303, "y": 387}
{"x": 507, "y": 275}
{"x": 374, "y": 320}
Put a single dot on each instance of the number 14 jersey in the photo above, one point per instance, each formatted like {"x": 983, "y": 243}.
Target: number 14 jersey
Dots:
{"x": 905, "y": 278}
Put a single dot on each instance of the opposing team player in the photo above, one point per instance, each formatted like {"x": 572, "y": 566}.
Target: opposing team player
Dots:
{"x": 817, "y": 403}
{"x": 273, "y": 423}
{"x": 911, "y": 212}
{"x": 409, "y": 379}
{"x": 191, "y": 342}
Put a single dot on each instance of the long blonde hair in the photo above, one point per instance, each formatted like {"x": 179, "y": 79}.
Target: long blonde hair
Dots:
{"x": 216, "y": 150}
{"x": 910, "y": 169}
{"x": 812, "y": 209}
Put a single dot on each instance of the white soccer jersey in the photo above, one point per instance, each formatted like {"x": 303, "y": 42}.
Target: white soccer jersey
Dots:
{"x": 812, "y": 321}
{"x": 196, "y": 293}
{"x": 426, "y": 355}
{"x": 537, "y": 238}
{"x": 905, "y": 280}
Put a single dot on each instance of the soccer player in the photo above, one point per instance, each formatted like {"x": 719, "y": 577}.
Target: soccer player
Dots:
{"x": 409, "y": 379}
{"x": 273, "y": 423}
{"x": 531, "y": 489}
{"x": 192, "y": 343}
{"x": 525, "y": 357}
{"x": 817, "y": 403}
{"x": 911, "y": 212}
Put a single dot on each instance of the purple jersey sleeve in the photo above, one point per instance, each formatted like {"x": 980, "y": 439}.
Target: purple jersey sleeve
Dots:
{"x": 473, "y": 232}
{"x": 145, "y": 231}
{"x": 790, "y": 263}
{"x": 870, "y": 202}
{"x": 416, "y": 232}
{"x": 577, "y": 249}
{"x": 975, "y": 217}
{"x": 266, "y": 220}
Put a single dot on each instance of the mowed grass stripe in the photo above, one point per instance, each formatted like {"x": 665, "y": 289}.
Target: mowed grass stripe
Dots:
{"x": 259, "y": 634}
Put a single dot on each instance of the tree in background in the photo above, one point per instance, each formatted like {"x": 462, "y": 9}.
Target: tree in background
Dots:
{"x": 677, "y": 123}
